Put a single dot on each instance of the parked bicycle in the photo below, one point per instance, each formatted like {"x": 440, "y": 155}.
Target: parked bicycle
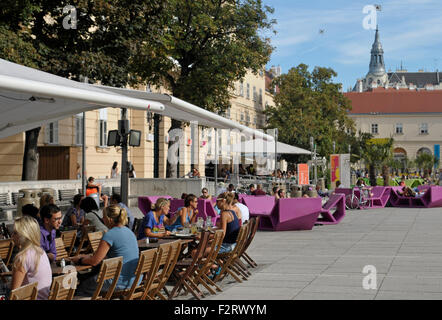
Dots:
{"x": 359, "y": 199}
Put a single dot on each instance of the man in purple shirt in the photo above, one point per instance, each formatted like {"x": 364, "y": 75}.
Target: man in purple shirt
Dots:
{"x": 259, "y": 191}
{"x": 51, "y": 221}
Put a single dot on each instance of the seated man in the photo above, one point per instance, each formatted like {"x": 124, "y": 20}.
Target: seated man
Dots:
{"x": 92, "y": 188}
{"x": 251, "y": 189}
{"x": 259, "y": 191}
{"x": 51, "y": 221}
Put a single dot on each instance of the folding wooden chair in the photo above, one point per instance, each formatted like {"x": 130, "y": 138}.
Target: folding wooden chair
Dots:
{"x": 186, "y": 269}
{"x": 94, "y": 240}
{"x": 169, "y": 257}
{"x": 252, "y": 233}
{"x": 61, "y": 251}
{"x": 206, "y": 265}
{"x": 6, "y": 247}
{"x": 27, "y": 292}
{"x": 146, "y": 270}
{"x": 226, "y": 260}
{"x": 69, "y": 238}
{"x": 63, "y": 287}
{"x": 85, "y": 231}
{"x": 110, "y": 269}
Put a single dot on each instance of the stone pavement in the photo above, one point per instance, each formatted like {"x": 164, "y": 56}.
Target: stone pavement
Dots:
{"x": 404, "y": 245}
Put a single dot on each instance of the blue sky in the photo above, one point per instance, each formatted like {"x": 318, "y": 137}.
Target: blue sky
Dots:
{"x": 410, "y": 32}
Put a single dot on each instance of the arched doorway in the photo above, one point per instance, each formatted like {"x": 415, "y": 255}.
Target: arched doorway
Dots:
{"x": 400, "y": 155}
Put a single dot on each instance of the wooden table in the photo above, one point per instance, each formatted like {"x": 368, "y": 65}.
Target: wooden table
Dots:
{"x": 142, "y": 245}
{"x": 56, "y": 270}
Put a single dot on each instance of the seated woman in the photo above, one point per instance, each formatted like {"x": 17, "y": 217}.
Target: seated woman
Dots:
{"x": 407, "y": 192}
{"x": 281, "y": 194}
{"x": 91, "y": 217}
{"x": 95, "y": 188}
{"x": 205, "y": 194}
{"x": 229, "y": 221}
{"x": 31, "y": 264}
{"x": 154, "y": 221}
{"x": 119, "y": 241}
{"x": 186, "y": 214}
{"x": 75, "y": 215}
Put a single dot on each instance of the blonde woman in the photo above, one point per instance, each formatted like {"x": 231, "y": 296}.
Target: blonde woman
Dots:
{"x": 119, "y": 241}
{"x": 154, "y": 222}
{"x": 31, "y": 264}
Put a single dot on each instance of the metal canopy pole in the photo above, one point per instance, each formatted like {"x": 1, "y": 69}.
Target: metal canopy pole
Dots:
{"x": 216, "y": 162}
{"x": 123, "y": 129}
{"x": 83, "y": 151}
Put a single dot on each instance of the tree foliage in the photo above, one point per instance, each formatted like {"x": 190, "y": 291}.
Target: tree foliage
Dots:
{"x": 310, "y": 104}
{"x": 378, "y": 154}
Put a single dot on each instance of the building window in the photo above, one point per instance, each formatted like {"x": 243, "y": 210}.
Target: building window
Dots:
{"x": 52, "y": 133}
{"x": 242, "y": 116}
{"x": 399, "y": 128}
{"x": 423, "y": 128}
{"x": 248, "y": 91}
{"x": 209, "y": 143}
{"x": 79, "y": 129}
{"x": 241, "y": 89}
{"x": 254, "y": 94}
{"x": 228, "y": 113}
{"x": 103, "y": 133}
{"x": 374, "y": 128}
{"x": 260, "y": 96}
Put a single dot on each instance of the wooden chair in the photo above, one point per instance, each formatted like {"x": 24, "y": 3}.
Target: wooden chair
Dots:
{"x": 110, "y": 269}
{"x": 85, "y": 231}
{"x": 169, "y": 257}
{"x": 146, "y": 270}
{"x": 252, "y": 233}
{"x": 94, "y": 240}
{"x": 201, "y": 276}
{"x": 61, "y": 251}
{"x": 63, "y": 287}
{"x": 226, "y": 260}
{"x": 27, "y": 292}
{"x": 69, "y": 238}
{"x": 186, "y": 269}
{"x": 6, "y": 247}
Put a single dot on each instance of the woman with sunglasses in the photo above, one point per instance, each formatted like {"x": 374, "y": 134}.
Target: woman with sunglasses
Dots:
{"x": 186, "y": 214}
{"x": 118, "y": 241}
{"x": 205, "y": 194}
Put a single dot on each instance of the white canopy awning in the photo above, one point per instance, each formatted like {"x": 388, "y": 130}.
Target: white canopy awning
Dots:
{"x": 30, "y": 98}
{"x": 259, "y": 146}
{"x": 184, "y": 111}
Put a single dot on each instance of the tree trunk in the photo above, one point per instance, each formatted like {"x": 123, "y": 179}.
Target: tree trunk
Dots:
{"x": 385, "y": 175}
{"x": 173, "y": 152}
{"x": 30, "y": 156}
{"x": 372, "y": 175}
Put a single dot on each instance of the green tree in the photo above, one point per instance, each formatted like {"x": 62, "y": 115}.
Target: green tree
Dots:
{"x": 378, "y": 153}
{"x": 102, "y": 46}
{"x": 426, "y": 162}
{"x": 310, "y": 104}
{"x": 205, "y": 47}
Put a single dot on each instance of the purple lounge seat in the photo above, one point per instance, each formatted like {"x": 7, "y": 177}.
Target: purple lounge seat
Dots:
{"x": 431, "y": 199}
{"x": 380, "y": 197}
{"x": 145, "y": 203}
{"x": 336, "y": 201}
{"x": 286, "y": 214}
{"x": 259, "y": 205}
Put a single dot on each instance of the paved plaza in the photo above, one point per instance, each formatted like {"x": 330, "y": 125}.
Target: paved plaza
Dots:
{"x": 405, "y": 246}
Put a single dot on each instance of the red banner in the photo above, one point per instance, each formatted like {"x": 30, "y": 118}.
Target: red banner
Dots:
{"x": 303, "y": 174}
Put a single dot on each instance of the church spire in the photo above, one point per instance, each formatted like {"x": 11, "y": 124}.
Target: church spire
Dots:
{"x": 377, "y": 66}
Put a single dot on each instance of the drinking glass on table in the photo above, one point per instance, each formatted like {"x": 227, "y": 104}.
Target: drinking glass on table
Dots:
{"x": 200, "y": 222}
